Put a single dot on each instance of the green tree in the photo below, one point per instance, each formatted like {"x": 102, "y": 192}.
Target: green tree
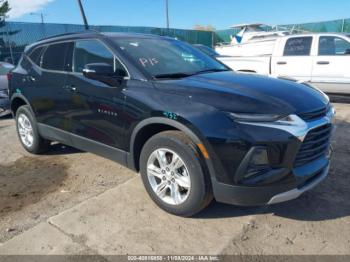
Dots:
{"x": 209, "y": 28}
{"x": 4, "y": 45}
{"x": 4, "y": 8}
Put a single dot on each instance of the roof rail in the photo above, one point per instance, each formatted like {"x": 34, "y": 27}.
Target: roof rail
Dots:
{"x": 73, "y": 33}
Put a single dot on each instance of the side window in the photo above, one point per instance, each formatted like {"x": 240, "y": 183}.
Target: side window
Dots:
{"x": 331, "y": 45}
{"x": 54, "y": 57}
{"x": 298, "y": 46}
{"x": 91, "y": 51}
{"x": 35, "y": 55}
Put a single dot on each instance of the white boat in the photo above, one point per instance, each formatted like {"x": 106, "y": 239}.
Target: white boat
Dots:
{"x": 252, "y": 40}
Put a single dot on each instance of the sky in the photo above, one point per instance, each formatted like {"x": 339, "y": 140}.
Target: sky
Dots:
{"x": 183, "y": 13}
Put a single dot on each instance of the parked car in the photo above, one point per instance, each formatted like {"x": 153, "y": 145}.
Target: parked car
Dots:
{"x": 321, "y": 59}
{"x": 193, "y": 128}
{"x": 5, "y": 68}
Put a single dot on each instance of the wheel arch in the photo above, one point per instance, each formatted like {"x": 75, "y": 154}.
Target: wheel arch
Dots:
{"x": 18, "y": 100}
{"x": 150, "y": 127}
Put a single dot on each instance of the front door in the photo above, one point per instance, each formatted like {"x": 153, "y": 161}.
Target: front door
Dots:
{"x": 295, "y": 60}
{"x": 96, "y": 108}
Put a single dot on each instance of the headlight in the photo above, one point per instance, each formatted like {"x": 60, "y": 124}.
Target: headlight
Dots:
{"x": 242, "y": 117}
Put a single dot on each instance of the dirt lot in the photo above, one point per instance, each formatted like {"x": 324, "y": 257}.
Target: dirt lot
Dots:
{"x": 35, "y": 188}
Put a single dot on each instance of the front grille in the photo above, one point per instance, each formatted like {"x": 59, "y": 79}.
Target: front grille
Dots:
{"x": 315, "y": 145}
{"x": 313, "y": 115}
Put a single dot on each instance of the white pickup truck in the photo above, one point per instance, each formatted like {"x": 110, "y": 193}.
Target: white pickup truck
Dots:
{"x": 321, "y": 59}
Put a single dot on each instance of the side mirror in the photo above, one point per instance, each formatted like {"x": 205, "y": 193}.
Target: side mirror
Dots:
{"x": 104, "y": 73}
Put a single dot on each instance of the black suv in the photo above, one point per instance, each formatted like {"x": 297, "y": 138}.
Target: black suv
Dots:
{"x": 193, "y": 128}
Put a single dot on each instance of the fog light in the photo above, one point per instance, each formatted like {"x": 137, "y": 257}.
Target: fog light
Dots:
{"x": 259, "y": 157}
{"x": 255, "y": 164}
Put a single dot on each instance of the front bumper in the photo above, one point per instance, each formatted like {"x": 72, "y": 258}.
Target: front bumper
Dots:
{"x": 296, "y": 192}
{"x": 287, "y": 180}
{"x": 272, "y": 194}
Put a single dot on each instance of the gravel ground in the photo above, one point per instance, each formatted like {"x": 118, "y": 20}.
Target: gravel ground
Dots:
{"x": 35, "y": 188}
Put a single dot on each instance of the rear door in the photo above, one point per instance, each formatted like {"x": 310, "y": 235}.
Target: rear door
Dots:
{"x": 294, "y": 58}
{"x": 47, "y": 79}
{"x": 95, "y": 108}
{"x": 331, "y": 65}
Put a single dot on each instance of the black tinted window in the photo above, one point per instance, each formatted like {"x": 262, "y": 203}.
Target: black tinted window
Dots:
{"x": 89, "y": 52}
{"x": 54, "y": 57}
{"x": 298, "y": 46}
{"x": 36, "y": 55}
{"x": 331, "y": 45}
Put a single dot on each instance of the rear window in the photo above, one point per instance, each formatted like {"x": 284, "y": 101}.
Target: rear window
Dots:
{"x": 36, "y": 54}
{"x": 298, "y": 46}
{"x": 54, "y": 57}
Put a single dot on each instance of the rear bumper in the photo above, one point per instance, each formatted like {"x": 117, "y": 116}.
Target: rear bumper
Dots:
{"x": 4, "y": 102}
{"x": 273, "y": 194}
{"x": 4, "y": 106}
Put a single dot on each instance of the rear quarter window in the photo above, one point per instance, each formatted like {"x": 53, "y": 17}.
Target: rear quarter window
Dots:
{"x": 35, "y": 55}
{"x": 298, "y": 46}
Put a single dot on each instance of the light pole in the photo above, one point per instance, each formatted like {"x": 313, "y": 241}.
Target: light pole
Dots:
{"x": 167, "y": 13}
{"x": 41, "y": 16}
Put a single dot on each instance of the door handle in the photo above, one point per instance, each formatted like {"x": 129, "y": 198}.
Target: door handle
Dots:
{"x": 71, "y": 88}
{"x": 281, "y": 63}
{"x": 323, "y": 62}
{"x": 31, "y": 78}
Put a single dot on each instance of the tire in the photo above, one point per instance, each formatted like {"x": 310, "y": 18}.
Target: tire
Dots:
{"x": 184, "y": 189}
{"x": 36, "y": 144}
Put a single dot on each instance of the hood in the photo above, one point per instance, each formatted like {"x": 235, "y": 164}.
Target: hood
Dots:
{"x": 247, "y": 93}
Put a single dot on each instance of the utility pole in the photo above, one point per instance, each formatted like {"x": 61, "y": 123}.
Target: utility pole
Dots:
{"x": 83, "y": 15}
{"x": 41, "y": 16}
{"x": 167, "y": 13}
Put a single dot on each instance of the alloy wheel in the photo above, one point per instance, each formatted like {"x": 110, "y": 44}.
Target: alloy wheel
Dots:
{"x": 25, "y": 130}
{"x": 168, "y": 176}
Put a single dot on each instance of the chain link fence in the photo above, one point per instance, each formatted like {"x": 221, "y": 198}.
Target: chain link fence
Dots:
{"x": 14, "y": 36}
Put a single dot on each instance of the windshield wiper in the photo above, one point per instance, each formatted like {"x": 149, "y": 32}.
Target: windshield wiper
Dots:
{"x": 172, "y": 76}
{"x": 213, "y": 70}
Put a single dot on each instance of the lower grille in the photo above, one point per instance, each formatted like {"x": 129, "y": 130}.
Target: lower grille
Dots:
{"x": 315, "y": 145}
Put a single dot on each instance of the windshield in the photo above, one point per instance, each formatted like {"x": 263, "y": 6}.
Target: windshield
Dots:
{"x": 167, "y": 58}
{"x": 207, "y": 50}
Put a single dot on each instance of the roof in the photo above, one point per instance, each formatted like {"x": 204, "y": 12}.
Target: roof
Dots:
{"x": 318, "y": 33}
{"x": 92, "y": 33}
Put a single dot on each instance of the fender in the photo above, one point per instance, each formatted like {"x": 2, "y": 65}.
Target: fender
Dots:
{"x": 22, "y": 97}
{"x": 161, "y": 120}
